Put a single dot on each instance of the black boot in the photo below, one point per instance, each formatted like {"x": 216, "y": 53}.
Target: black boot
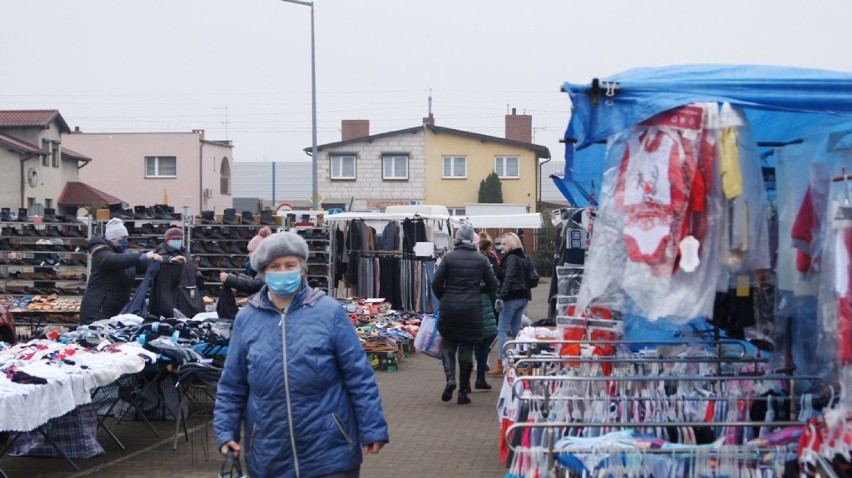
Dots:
{"x": 22, "y": 215}
{"x": 208, "y": 217}
{"x": 465, "y": 369}
{"x": 266, "y": 218}
{"x": 6, "y": 214}
{"x": 449, "y": 362}
{"x": 50, "y": 215}
{"x": 248, "y": 218}
{"x": 229, "y": 216}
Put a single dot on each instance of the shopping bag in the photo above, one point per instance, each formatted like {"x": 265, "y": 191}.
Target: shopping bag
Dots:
{"x": 231, "y": 467}
{"x": 428, "y": 340}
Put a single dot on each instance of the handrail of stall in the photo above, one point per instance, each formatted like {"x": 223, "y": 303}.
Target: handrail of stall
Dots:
{"x": 550, "y": 426}
{"x": 510, "y": 352}
{"x": 634, "y": 360}
{"x": 548, "y": 397}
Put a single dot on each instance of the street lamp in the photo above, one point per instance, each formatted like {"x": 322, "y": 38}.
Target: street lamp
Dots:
{"x": 315, "y": 194}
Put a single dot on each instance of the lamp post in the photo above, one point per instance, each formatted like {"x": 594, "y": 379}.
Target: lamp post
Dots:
{"x": 315, "y": 194}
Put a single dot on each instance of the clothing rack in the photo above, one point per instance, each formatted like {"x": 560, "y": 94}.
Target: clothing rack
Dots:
{"x": 570, "y": 402}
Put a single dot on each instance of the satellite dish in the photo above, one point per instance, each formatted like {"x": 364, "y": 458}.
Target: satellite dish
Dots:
{"x": 32, "y": 177}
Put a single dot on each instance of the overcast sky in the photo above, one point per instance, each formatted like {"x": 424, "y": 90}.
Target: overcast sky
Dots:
{"x": 178, "y": 65}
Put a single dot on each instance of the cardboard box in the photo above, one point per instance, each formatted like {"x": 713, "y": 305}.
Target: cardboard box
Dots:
{"x": 102, "y": 215}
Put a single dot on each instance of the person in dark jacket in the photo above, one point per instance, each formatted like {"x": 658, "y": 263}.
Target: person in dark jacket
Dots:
{"x": 457, "y": 285}
{"x": 113, "y": 270}
{"x": 489, "y": 317}
{"x": 248, "y": 282}
{"x": 297, "y": 376}
{"x": 177, "y": 270}
{"x": 513, "y": 295}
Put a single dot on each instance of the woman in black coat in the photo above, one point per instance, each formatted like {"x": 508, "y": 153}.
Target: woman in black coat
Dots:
{"x": 177, "y": 272}
{"x": 112, "y": 273}
{"x": 457, "y": 286}
{"x": 513, "y": 295}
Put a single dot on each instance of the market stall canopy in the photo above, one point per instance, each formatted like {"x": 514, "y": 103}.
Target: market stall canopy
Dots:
{"x": 781, "y": 103}
{"x": 77, "y": 193}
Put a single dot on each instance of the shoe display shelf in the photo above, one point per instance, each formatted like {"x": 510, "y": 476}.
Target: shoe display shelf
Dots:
{"x": 43, "y": 255}
{"x": 319, "y": 253}
{"x": 218, "y": 243}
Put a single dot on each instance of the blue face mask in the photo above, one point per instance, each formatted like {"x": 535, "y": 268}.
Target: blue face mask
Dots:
{"x": 498, "y": 247}
{"x": 284, "y": 283}
{"x": 122, "y": 245}
{"x": 175, "y": 244}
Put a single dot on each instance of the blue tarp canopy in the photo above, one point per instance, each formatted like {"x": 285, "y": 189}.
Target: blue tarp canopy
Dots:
{"x": 782, "y": 104}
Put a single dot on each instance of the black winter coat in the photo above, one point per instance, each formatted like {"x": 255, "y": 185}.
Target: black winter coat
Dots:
{"x": 513, "y": 277}
{"x": 165, "y": 283}
{"x": 110, "y": 280}
{"x": 457, "y": 285}
{"x": 244, "y": 283}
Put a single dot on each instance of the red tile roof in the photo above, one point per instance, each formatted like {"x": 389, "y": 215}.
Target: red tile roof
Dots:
{"x": 78, "y": 193}
{"x": 71, "y": 154}
{"x": 32, "y": 119}
{"x": 20, "y": 145}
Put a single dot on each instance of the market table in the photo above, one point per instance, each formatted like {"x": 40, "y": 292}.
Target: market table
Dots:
{"x": 42, "y": 380}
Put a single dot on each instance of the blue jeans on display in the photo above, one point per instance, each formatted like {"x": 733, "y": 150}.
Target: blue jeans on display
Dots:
{"x": 429, "y": 297}
{"x": 509, "y": 321}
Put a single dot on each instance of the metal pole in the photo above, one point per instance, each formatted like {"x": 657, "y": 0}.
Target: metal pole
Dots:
{"x": 313, "y": 115}
{"x": 273, "y": 183}
{"x": 314, "y": 192}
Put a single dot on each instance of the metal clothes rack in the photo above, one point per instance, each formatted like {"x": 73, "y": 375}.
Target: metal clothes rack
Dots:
{"x": 556, "y": 387}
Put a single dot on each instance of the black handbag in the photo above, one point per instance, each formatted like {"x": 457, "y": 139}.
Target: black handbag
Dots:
{"x": 231, "y": 467}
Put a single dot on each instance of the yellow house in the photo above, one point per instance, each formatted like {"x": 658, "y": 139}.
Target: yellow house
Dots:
{"x": 428, "y": 164}
{"x": 457, "y": 162}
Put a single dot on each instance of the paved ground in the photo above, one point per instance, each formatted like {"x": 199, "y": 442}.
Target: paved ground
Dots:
{"x": 429, "y": 438}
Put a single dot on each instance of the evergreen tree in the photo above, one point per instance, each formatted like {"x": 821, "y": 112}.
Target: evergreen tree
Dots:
{"x": 490, "y": 189}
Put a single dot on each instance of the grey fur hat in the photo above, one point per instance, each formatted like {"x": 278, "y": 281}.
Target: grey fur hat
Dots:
{"x": 465, "y": 233}
{"x": 278, "y": 245}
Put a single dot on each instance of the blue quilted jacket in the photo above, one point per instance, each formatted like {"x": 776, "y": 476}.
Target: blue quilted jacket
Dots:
{"x": 314, "y": 422}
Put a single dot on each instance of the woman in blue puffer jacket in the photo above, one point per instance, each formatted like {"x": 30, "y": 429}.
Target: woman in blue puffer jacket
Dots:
{"x": 298, "y": 376}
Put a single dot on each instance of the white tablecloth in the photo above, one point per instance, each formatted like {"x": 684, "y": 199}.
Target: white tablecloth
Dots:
{"x": 26, "y": 407}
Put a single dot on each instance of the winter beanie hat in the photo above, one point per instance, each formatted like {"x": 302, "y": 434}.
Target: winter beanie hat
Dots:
{"x": 465, "y": 233}
{"x": 115, "y": 229}
{"x": 174, "y": 233}
{"x": 255, "y": 241}
{"x": 278, "y": 245}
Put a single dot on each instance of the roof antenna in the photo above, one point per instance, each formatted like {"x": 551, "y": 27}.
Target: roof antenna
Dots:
{"x": 430, "y": 102}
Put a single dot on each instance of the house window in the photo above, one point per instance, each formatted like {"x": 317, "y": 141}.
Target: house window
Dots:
{"x": 394, "y": 166}
{"x": 55, "y": 154}
{"x": 225, "y": 177}
{"x": 46, "y": 146}
{"x": 455, "y": 167}
{"x": 456, "y": 211}
{"x": 343, "y": 167}
{"x": 507, "y": 167}
{"x": 160, "y": 166}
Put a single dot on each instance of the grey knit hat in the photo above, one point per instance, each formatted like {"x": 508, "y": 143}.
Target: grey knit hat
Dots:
{"x": 278, "y": 245}
{"x": 115, "y": 228}
{"x": 465, "y": 233}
